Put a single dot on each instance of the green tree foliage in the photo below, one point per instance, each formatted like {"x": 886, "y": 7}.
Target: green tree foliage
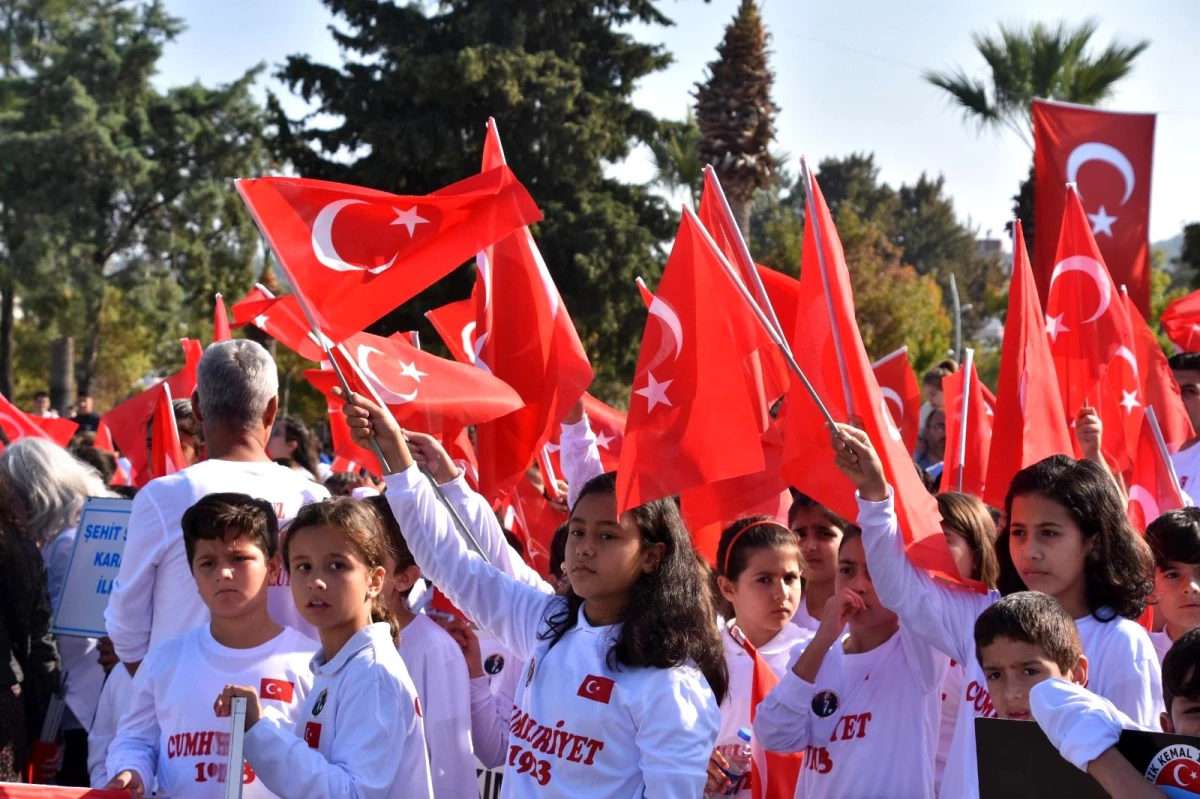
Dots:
{"x": 1035, "y": 61}
{"x": 736, "y": 114}
{"x": 117, "y": 183}
{"x": 675, "y": 155}
{"x": 1187, "y": 265}
{"x": 409, "y": 107}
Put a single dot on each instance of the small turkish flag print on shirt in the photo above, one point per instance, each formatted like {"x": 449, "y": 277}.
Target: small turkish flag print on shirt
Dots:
{"x": 312, "y": 735}
{"x": 597, "y": 689}
{"x": 281, "y": 690}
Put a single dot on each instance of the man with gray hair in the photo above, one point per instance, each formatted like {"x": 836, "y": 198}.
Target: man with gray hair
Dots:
{"x": 154, "y": 597}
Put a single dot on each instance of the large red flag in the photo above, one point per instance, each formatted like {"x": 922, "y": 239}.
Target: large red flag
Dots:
{"x": 354, "y": 254}
{"x": 1181, "y": 322}
{"x": 1153, "y": 485}
{"x": 825, "y": 338}
{"x": 898, "y": 382}
{"x": 525, "y": 337}
{"x": 1108, "y": 155}
{"x": 455, "y": 323}
{"x": 19, "y": 424}
{"x": 1120, "y": 405}
{"x": 966, "y": 460}
{"x": 221, "y": 321}
{"x": 128, "y": 421}
{"x": 282, "y": 319}
{"x": 1085, "y": 317}
{"x": 57, "y": 429}
{"x": 1158, "y": 383}
{"x": 423, "y": 391}
{"x": 692, "y": 414}
{"x": 166, "y": 453}
{"x": 1029, "y": 424}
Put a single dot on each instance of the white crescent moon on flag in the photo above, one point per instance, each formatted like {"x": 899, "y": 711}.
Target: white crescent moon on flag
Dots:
{"x": 1179, "y": 779}
{"x": 1098, "y": 151}
{"x": 322, "y": 240}
{"x": 1093, "y": 269}
{"x": 670, "y": 320}
{"x": 893, "y": 431}
{"x": 21, "y": 429}
{"x": 388, "y": 396}
{"x": 891, "y": 394}
{"x": 591, "y": 687}
{"x": 1148, "y": 503}
{"x": 1124, "y": 352}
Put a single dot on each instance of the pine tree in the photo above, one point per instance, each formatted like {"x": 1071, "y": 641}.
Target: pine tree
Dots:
{"x": 736, "y": 115}
{"x": 412, "y": 98}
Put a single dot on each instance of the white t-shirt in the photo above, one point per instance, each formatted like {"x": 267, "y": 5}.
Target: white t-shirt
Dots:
{"x": 154, "y": 597}
{"x": 492, "y": 709}
{"x": 735, "y": 710}
{"x": 1162, "y": 643}
{"x": 360, "y": 734}
{"x": 868, "y": 724}
{"x": 170, "y": 731}
{"x": 78, "y": 654}
{"x": 804, "y": 620}
{"x": 436, "y": 666}
{"x": 1123, "y": 665}
{"x": 581, "y": 727}
{"x": 952, "y": 698}
{"x": 115, "y": 698}
{"x": 1187, "y": 467}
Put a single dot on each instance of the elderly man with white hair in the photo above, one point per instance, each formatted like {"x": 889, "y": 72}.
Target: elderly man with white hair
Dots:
{"x": 154, "y": 597}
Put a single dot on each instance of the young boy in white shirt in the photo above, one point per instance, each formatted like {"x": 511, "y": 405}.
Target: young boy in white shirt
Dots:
{"x": 171, "y": 736}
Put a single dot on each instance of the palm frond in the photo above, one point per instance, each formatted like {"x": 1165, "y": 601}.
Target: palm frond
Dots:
{"x": 968, "y": 93}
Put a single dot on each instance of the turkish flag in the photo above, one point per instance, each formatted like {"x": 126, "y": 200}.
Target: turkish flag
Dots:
{"x": 784, "y": 291}
{"x": 965, "y": 467}
{"x": 825, "y": 328}
{"x": 282, "y": 319}
{"x": 609, "y": 426}
{"x": 1108, "y": 155}
{"x": 57, "y": 429}
{"x": 1120, "y": 405}
{"x": 455, "y": 323}
{"x": 525, "y": 337}
{"x": 128, "y": 421}
{"x": 423, "y": 392}
{"x": 898, "y": 383}
{"x": 460, "y": 449}
{"x": 534, "y": 522}
{"x": 647, "y": 294}
{"x": 1159, "y": 388}
{"x": 1153, "y": 485}
{"x": 348, "y": 456}
{"x": 279, "y": 690}
{"x": 166, "y": 453}
{"x": 1181, "y": 322}
{"x": 1030, "y": 424}
{"x": 354, "y": 254}
{"x": 221, "y": 321}
{"x": 597, "y": 689}
{"x": 1085, "y": 317}
{"x": 18, "y": 424}
{"x": 693, "y": 413}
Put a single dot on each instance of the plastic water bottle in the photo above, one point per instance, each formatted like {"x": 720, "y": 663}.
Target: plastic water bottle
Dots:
{"x": 738, "y": 756}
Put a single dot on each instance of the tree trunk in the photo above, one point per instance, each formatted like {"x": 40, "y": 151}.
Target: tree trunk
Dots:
{"x": 7, "y": 314}
{"x": 62, "y": 375}
{"x": 90, "y": 359}
{"x": 741, "y": 214}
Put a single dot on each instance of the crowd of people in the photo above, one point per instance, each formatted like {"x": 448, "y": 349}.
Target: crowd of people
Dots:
{"x": 632, "y": 667}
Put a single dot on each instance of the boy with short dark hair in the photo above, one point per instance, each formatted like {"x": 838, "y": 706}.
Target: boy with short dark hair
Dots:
{"x": 168, "y": 735}
{"x": 1185, "y": 368}
{"x": 1174, "y": 538}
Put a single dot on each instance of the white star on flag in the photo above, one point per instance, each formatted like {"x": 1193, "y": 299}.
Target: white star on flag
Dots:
{"x": 603, "y": 439}
{"x": 260, "y": 321}
{"x": 410, "y": 219}
{"x": 1102, "y": 222}
{"x": 411, "y": 370}
{"x": 1054, "y": 326}
{"x": 655, "y": 392}
{"x": 1129, "y": 401}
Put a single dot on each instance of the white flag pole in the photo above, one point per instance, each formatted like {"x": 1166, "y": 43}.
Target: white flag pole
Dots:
{"x": 237, "y": 739}
{"x": 962, "y": 421}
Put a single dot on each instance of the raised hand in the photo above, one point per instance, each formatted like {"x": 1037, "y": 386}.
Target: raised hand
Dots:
{"x": 366, "y": 420}
{"x": 857, "y": 459}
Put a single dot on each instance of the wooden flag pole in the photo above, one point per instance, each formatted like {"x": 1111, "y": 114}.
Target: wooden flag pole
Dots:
{"x": 780, "y": 342}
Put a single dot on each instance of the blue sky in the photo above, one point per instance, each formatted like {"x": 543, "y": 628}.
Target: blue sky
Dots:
{"x": 848, "y": 79}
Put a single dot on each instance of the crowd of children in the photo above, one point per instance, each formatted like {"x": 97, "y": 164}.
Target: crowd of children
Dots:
{"x": 633, "y": 668}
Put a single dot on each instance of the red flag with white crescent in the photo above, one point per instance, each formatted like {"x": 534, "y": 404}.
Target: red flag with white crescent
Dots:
{"x": 1108, "y": 155}
{"x": 1153, "y": 485}
{"x": 1181, "y": 322}
{"x": 355, "y": 254}
{"x": 166, "y": 452}
{"x": 282, "y": 319}
{"x": 902, "y": 392}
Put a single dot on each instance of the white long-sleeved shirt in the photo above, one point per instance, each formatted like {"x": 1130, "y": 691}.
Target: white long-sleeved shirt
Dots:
{"x": 359, "y": 735}
{"x": 735, "y": 710}
{"x": 579, "y": 455}
{"x": 1080, "y": 724}
{"x": 115, "y": 698}
{"x": 84, "y": 674}
{"x": 170, "y": 732}
{"x": 1124, "y": 667}
{"x": 435, "y": 664}
{"x": 154, "y": 597}
{"x": 581, "y": 727}
{"x": 868, "y": 723}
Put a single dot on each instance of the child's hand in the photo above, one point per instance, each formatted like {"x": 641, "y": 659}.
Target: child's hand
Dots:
{"x": 429, "y": 453}
{"x": 576, "y": 414}
{"x": 224, "y": 704}
{"x": 857, "y": 459}
{"x": 559, "y": 504}
{"x": 467, "y": 641}
{"x": 106, "y": 656}
{"x": 366, "y": 419}
{"x": 1089, "y": 432}
{"x": 840, "y": 608}
{"x": 718, "y": 780}
{"x": 127, "y": 781}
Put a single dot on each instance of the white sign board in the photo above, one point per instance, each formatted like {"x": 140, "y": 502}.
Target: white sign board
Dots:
{"x": 95, "y": 561}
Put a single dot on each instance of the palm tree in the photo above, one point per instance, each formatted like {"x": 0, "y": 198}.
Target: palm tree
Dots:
{"x": 736, "y": 114}
{"x": 675, "y": 155}
{"x": 1036, "y": 61}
